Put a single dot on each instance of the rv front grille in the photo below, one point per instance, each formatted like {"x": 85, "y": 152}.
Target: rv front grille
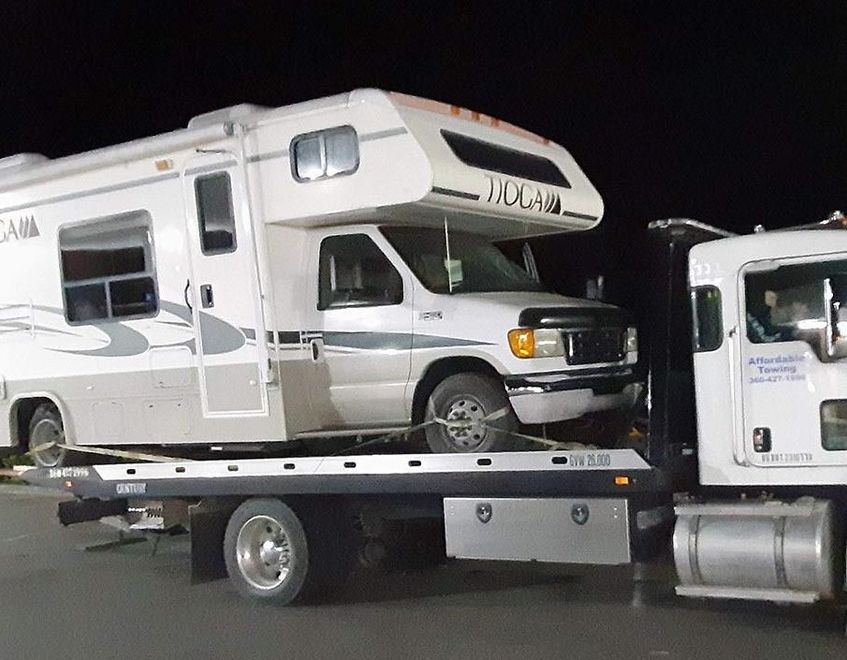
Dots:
{"x": 595, "y": 345}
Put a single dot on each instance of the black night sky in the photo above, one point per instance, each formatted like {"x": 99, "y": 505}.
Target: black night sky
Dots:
{"x": 731, "y": 113}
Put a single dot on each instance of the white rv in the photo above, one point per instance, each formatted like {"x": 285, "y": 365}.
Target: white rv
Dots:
{"x": 316, "y": 270}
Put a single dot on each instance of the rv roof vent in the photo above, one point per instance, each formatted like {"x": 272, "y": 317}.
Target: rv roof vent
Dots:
{"x": 22, "y": 160}
{"x": 225, "y": 114}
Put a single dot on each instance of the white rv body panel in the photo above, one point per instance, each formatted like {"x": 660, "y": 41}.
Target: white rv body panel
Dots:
{"x": 777, "y": 385}
{"x": 133, "y": 382}
{"x": 208, "y": 342}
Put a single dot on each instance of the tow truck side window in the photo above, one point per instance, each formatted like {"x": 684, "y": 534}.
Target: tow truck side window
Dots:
{"x": 834, "y": 425}
{"x": 793, "y": 302}
{"x": 707, "y": 327}
{"x": 354, "y": 272}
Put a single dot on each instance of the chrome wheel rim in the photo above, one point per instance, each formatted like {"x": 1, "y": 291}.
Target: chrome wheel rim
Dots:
{"x": 465, "y": 423}
{"x": 263, "y": 552}
{"x": 45, "y": 441}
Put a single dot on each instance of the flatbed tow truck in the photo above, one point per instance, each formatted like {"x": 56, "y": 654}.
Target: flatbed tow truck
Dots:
{"x": 756, "y": 500}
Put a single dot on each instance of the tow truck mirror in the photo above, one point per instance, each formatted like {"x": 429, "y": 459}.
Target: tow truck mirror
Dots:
{"x": 839, "y": 350}
{"x": 836, "y": 340}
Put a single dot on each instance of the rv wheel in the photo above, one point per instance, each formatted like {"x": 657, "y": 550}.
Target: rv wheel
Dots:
{"x": 46, "y": 435}
{"x": 470, "y": 413}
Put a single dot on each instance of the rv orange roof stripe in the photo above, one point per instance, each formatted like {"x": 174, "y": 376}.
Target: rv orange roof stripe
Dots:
{"x": 463, "y": 113}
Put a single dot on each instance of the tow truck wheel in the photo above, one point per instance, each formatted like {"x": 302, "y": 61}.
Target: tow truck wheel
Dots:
{"x": 46, "y": 435}
{"x": 266, "y": 552}
{"x": 468, "y": 413}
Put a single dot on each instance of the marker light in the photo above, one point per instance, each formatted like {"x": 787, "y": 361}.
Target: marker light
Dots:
{"x": 621, "y": 480}
{"x": 528, "y": 343}
{"x": 522, "y": 342}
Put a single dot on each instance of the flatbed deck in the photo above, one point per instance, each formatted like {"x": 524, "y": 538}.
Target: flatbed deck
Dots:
{"x": 616, "y": 472}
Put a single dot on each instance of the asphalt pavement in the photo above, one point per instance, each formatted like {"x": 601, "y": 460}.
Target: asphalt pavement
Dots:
{"x": 61, "y": 601}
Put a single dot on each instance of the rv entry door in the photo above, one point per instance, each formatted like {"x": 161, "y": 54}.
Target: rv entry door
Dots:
{"x": 222, "y": 289}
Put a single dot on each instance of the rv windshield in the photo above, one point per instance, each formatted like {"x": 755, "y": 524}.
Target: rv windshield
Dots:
{"x": 475, "y": 264}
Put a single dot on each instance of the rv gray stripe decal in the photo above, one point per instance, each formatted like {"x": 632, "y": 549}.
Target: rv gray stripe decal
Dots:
{"x": 211, "y": 168}
{"x": 93, "y": 191}
{"x": 123, "y": 342}
{"x": 220, "y": 337}
{"x": 454, "y": 193}
{"x": 433, "y": 341}
{"x": 385, "y": 341}
{"x": 365, "y": 137}
{"x": 392, "y": 340}
{"x": 379, "y": 135}
{"x": 368, "y": 340}
{"x": 269, "y": 155}
{"x": 580, "y": 216}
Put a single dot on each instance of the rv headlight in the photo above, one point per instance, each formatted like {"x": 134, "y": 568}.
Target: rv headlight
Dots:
{"x": 529, "y": 343}
{"x": 631, "y": 340}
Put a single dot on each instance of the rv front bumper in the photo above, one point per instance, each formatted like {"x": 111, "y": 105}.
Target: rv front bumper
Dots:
{"x": 547, "y": 398}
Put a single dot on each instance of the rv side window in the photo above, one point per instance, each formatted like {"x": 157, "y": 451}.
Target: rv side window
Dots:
{"x": 215, "y": 213}
{"x": 493, "y": 157}
{"x": 107, "y": 269}
{"x": 354, "y": 272}
{"x": 324, "y": 154}
{"x": 707, "y": 326}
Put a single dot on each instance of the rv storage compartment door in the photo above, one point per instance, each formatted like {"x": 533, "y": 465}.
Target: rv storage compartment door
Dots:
{"x": 578, "y": 531}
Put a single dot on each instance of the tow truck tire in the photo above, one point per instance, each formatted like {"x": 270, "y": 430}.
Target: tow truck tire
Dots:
{"x": 481, "y": 403}
{"x": 46, "y": 427}
{"x": 275, "y": 554}
{"x": 266, "y": 552}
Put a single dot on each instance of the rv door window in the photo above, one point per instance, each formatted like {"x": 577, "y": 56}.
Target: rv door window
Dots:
{"x": 215, "y": 213}
{"x": 354, "y": 272}
{"x": 107, "y": 269}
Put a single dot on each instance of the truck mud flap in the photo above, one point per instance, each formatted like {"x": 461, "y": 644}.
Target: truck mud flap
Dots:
{"x": 207, "y": 522}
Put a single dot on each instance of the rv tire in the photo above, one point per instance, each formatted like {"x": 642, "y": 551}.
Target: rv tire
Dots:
{"x": 470, "y": 413}
{"x": 46, "y": 429}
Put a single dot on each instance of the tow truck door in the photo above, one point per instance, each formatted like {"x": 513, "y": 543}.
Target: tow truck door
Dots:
{"x": 794, "y": 360}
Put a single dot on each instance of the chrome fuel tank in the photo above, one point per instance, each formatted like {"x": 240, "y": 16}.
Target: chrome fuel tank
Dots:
{"x": 765, "y": 550}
